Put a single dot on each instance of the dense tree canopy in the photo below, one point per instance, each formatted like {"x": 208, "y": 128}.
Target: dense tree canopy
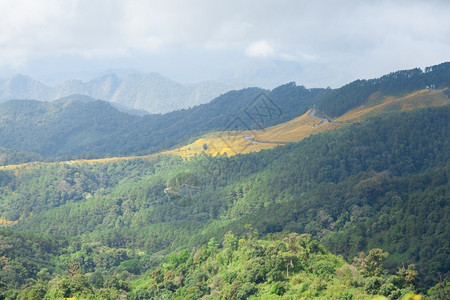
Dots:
{"x": 266, "y": 224}
{"x": 365, "y": 186}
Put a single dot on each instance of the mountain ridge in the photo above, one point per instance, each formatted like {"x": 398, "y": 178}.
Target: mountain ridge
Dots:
{"x": 145, "y": 91}
{"x": 250, "y": 109}
{"x": 79, "y": 131}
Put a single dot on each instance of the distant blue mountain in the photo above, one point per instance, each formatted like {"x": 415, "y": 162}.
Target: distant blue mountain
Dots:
{"x": 151, "y": 92}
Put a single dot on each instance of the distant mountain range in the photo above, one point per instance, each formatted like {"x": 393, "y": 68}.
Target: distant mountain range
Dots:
{"x": 151, "y": 92}
{"x": 82, "y": 127}
{"x": 78, "y": 125}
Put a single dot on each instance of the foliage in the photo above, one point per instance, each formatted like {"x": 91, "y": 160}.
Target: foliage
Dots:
{"x": 358, "y": 92}
{"x": 233, "y": 271}
{"x": 74, "y": 128}
{"x": 374, "y": 187}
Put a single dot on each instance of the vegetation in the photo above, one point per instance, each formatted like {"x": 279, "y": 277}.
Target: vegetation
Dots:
{"x": 10, "y": 157}
{"x": 74, "y": 128}
{"x": 281, "y": 266}
{"x": 285, "y": 265}
{"x": 358, "y": 92}
{"x": 357, "y": 188}
{"x": 349, "y": 213}
{"x": 90, "y": 129}
{"x": 242, "y": 142}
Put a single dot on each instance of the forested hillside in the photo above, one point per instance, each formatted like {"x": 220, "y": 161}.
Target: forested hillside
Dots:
{"x": 280, "y": 266}
{"x": 74, "y": 128}
{"x": 382, "y": 183}
{"x": 358, "y": 92}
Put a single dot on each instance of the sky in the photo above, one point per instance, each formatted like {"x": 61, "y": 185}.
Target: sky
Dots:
{"x": 263, "y": 43}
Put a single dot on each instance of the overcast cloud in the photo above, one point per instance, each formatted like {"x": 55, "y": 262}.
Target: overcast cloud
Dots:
{"x": 316, "y": 43}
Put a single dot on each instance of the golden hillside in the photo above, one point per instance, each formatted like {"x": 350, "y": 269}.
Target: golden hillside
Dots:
{"x": 232, "y": 143}
{"x": 378, "y": 104}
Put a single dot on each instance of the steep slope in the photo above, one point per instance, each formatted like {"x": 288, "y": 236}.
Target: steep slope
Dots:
{"x": 23, "y": 87}
{"x": 157, "y": 94}
{"x": 102, "y": 88}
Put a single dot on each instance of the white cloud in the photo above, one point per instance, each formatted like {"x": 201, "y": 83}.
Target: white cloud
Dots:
{"x": 260, "y": 49}
{"x": 359, "y": 38}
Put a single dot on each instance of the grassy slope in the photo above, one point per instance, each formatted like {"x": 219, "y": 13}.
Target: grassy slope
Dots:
{"x": 235, "y": 142}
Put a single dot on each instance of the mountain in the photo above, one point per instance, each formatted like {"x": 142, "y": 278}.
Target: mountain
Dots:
{"x": 382, "y": 183}
{"x": 157, "y": 94}
{"x": 76, "y": 127}
{"x": 150, "y": 92}
{"x": 352, "y": 212}
{"x": 96, "y": 129}
{"x": 23, "y": 87}
{"x": 118, "y": 106}
{"x": 358, "y": 92}
{"x": 297, "y": 129}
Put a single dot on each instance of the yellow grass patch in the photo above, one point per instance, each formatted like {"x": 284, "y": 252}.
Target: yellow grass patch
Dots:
{"x": 294, "y": 130}
{"x": 221, "y": 143}
{"x": 242, "y": 142}
{"x": 418, "y": 99}
{"x": 4, "y": 222}
{"x": 79, "y": 161}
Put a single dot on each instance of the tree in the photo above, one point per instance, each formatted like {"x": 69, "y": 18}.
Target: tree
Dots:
{"x": 371, "y": 265}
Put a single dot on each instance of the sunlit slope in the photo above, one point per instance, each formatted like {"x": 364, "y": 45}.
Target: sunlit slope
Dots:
{"x": 81, "y": 161}
{"x": 378, "y": 104}
{"x": 295, "y": 130}
{"x": 242, "y": 142}
{"x": 223, "y": 143}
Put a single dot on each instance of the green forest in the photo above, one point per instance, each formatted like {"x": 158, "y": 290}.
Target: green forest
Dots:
{"x": 346, "y": 214}
{"x": 279, "y": 266}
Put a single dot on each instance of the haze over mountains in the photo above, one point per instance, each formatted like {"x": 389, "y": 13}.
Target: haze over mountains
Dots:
{"x": 151, "y": 92}
{"x": 74, "y": 128}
